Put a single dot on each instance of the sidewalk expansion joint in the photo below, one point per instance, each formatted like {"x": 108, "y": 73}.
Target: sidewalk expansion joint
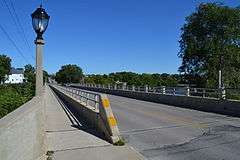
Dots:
{"x": 52, "y": 131}
{"x": 87, "y": 147}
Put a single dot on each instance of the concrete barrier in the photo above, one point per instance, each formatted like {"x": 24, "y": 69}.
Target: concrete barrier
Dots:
{"x": 22, "y": 132}
{"x": 102, "y": 119}
{"x": 226, "y": 107}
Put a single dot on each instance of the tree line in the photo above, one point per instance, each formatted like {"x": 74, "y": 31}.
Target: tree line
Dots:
{"x": 74, "y": 74}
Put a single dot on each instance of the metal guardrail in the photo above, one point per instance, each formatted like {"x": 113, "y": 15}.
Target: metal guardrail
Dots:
{"x": 179, "y": 91}
{"x": 89, "y": 99}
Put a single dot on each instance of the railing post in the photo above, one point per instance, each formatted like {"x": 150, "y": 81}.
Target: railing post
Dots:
{"x": 222, "y": 93}
{"x": 124, "y": 86}
{"x": 96, "y": 102}
{"x": 188, "y": 91}
{"x": 87, "y": 97}
{"x": 133, "y": 88}
{"x": 115, "y": 86}
{"x": 195, "y": 90}
{"x": 174, "y": 91}
{"x": 163, "y": 88}
{"x": 204, "y": 93}
{"x": 153, "y": 89}
{"x": 81, "y": 96}
{"x": 146, "y": 88}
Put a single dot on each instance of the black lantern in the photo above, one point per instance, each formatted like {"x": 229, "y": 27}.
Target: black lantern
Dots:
{"x": 40, "y": 20}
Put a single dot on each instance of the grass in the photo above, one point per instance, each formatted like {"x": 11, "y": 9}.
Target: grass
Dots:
{"x": 13, "y": 96}
{"x": 49, "y": 155}
{"x": 119, "y": 143}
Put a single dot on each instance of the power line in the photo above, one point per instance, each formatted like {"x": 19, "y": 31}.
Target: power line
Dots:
{"x": 13, "y": 43}
{"x": 17, "y": 23}
{"x": 20, "y": 24}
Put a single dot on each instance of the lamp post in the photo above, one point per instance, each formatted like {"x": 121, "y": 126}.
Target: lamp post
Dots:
{"x": 40, "y": 20}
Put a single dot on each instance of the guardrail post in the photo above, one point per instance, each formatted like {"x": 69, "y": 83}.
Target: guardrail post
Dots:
{"x": 133, "y": 88}
{"x": 163, "y": 88}
{"x": 174, "y": 91}
{"x": 204, "y": 93}
{"x": 87, "y": 101}
{"x": 124, "y": 86}
{"x": 146, "y": 88}
{"x": 222, "y": 93}
{"x": 96, "y": 102}
{"x": 195, "y": 90}
{"x": 188, "y": 91}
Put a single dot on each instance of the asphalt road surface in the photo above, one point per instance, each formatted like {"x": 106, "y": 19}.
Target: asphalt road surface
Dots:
{"x": 162, "y": 132}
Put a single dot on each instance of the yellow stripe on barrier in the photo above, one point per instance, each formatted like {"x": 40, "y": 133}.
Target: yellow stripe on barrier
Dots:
{"x": 106, "y": 103}
{"x": 112, "y": 121}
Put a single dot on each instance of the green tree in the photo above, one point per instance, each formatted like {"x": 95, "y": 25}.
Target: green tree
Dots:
{"x": 210, "y": 40}
{"x": 45, "y": 76}
{"x": 69, "y": 74}
{"x": 5, "y": 67}
{"x": 29, "y": 74}
{"x": 30, "y": 78}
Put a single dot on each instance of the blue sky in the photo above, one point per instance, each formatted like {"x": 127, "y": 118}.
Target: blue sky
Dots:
{"x": 102, "y": 36}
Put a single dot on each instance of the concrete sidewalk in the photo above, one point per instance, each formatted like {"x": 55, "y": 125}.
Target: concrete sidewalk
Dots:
{"x": 68, "y": 142}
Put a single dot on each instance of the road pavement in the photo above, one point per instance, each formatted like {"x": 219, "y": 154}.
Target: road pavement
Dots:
{"x": 162, "y": 132}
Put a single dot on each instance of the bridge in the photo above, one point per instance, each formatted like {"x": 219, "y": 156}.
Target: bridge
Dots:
{"x": 93, "y": 122}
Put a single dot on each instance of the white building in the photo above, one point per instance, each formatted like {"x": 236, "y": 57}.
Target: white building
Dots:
{"x": 16, "y": 76}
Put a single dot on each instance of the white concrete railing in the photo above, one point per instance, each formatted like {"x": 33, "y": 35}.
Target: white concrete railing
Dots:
{"x": 95, "y": 108}
{"x": 89, "y": 99}
{"x": 209, "y": 104}
{"x": 180, "y": 91}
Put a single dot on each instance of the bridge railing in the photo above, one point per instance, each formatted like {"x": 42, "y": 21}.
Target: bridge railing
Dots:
{"x": 232, "y": 93}
{"x": 89, "y": 99}
{"x": 94, "y": 107}
{"x": 221, "y": 93}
